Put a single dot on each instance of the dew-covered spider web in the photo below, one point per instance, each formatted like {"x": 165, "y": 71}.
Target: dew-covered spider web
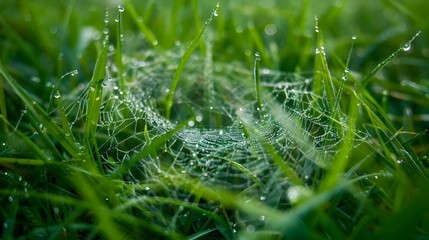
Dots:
{"x": 226, "y": 141}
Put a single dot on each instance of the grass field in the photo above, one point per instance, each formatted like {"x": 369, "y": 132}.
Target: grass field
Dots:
{"x": 214, "y": 120}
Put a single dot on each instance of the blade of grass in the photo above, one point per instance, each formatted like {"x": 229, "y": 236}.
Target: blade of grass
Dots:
{"x": 386, "y": 61}
{"x": 243, "y": 169}
{"x": 152, "y": 40}
{"x": 26, "y": 49}
{"x": 42, "y": 116}
{"x": 259, "y": 43}
{"x": 257, "y": 81}
{"x": 22, "y": 161}
{"x": 182, "y": 63}
{"x": 198, "y": 25}
{"x": 94, "y": 103}
{"x": 344, "y": 78}
{"x": 3, "y": 109}
{"x": 30, "y": 144}
{"x": 283, "y": 165}
{"x": 322, "y": 76}
{"x": 341, "y": 160}
{"x": 415, "y": 170}
{"x": 118, "y": 55}
{"x": 106, "y": 224}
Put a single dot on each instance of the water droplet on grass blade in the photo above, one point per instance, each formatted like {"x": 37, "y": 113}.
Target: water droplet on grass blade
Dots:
{"x": 57, "y": 94}
{"x": 317, "y": 51}
{"x": 216, "y": 13}
{"x": 354, "y": 37}
{"x": 121, "y": 8}
{"x": 191, "y": 123}
{"x": 406, "y": 47}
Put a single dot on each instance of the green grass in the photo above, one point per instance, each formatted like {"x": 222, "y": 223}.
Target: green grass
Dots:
{"x": 195, "y": 120}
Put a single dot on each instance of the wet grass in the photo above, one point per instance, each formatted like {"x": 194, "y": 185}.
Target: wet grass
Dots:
{"x": 84, "y": 154}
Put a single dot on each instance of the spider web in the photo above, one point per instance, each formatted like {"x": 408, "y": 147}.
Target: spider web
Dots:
{"x": 225, "y": 143}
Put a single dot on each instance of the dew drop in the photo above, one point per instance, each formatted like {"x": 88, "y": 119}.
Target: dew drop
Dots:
{"x": 216, "y": 13}
{"x": 354, "y": 37}
{"x": 181, "y": 208}
{"x": 199, "y": 118}
{"x": 57, "y": 94}
{"x": 263, "y": 198}
{"x": 121, "y": 8}
{"x": 258, "y": 56}
{"x": 155, "y": 42}
{"x": 250, "y": 228}
{"x": 292, "y": 194}
{"x": 35, "y": 79}
{"x": 399, "y": 160}
{"x": 10, "y": 199}
{"x": 221, "y": 132}
{"x": 191, "y": 123}
{"x": 270, "y": 29}
{"x": 406, "y": 47}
